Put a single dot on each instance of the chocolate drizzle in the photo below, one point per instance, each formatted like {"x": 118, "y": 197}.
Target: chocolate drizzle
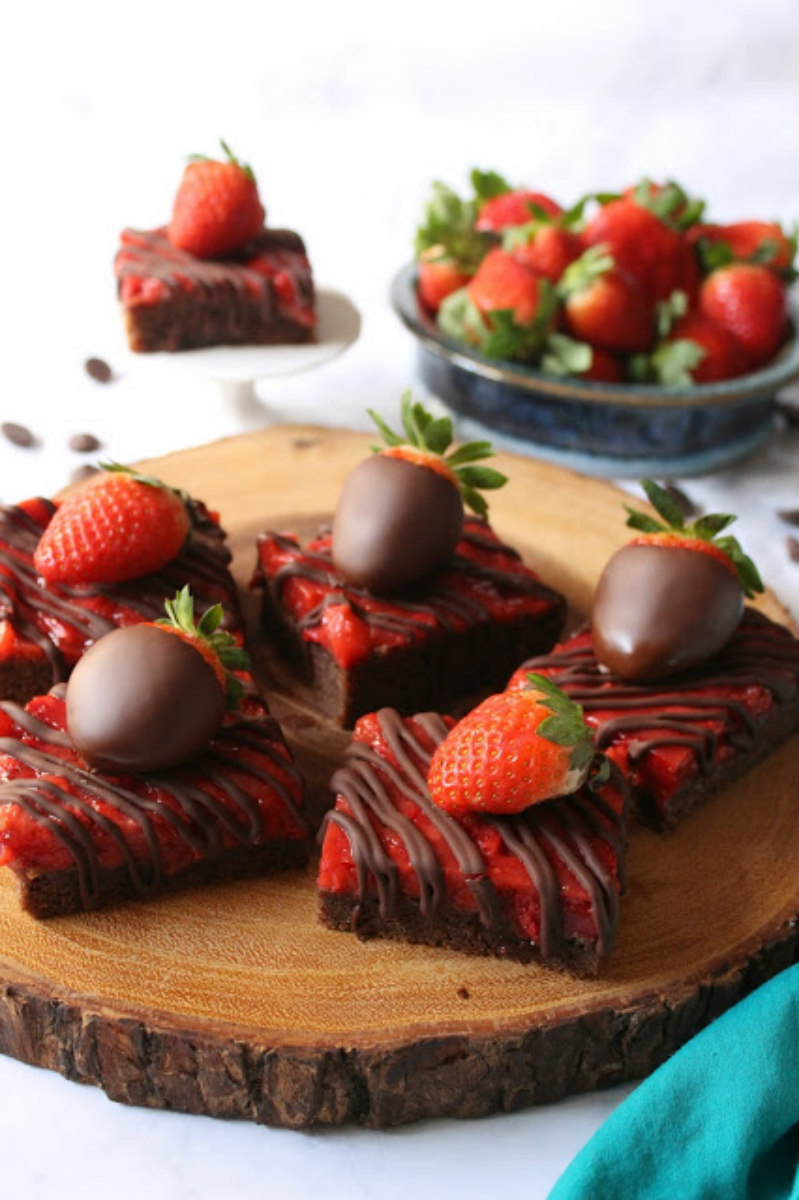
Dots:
{"x": 53, "y": 617}
{"x": 141, "y": 815}
{"x": 675, "y": 712}
{"x": 567, "y": 830}
{"x": 460, "y": 593}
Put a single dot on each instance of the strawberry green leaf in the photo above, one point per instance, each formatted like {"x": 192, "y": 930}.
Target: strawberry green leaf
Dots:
{"x": 708, "y": 526}
{"x": 669, "y": 311}
{"x": 747, "y": 571}
{"x": 643, "y": 522}
{"x": 388, "y": 435}
{"x": 509, "y": 340}
{"x": 663, "y": 503}
{"x": 180, "y": 616}
{"x": 482, "y": 477}
{"x": 671, "y": 363}
{"x": 460, "y": 319}
{"x": 448, "y": 224}
{"x": 473, "y": 500}
{"x": 566, "y": 726}
{"x": 487, "y": 184}
{"x": 469, "y": 452}
{"x": 438, "y": 435}
{"x": 585, "y": 270}
{"x": 564, "y": 355}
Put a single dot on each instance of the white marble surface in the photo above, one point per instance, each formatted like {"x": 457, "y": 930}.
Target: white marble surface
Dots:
{"x": 347, "y": 112}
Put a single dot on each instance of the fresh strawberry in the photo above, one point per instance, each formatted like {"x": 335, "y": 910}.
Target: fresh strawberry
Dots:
{"x": 547, "y": 249}
{"x": 605, "y": 306}
{"x": 512, "y": 751}
{"x": 750, "y": 301}
{"x": 502, "y": 283}
{"x": 668, "y": 201}
{"x": 117, "y": 525}
{"x": 605, "y": 367}
{"x": 721, "y": 356}
{"x": 217, "y": 207}
{"x": 643, "y": 245}
{"x": 514, "y": 208}
{"x": 673, "y": 595}
{"x": 400, "y": 512}
{"x": 218, "y": 647}
{"x": 438, "y": 277}
{"x": 763, "y": 242}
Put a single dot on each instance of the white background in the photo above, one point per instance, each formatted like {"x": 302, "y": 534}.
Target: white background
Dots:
{"x": 347, "y": 112}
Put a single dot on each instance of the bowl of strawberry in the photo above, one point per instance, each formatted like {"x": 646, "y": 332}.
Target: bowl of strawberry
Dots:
{"x": 625, "y": 333}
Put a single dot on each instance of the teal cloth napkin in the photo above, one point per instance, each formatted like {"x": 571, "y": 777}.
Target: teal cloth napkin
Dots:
{"x": 718, "y": 1121}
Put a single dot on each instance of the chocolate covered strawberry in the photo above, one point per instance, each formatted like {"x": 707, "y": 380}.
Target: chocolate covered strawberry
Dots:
{"x": 673, "y": 596}
{"x": 514, "y": 750}
{"x": 400, "y": 513}
{"x": 117, "y": 525}
{"x": 217, "y": 208}
{"x": 149, "y": 697}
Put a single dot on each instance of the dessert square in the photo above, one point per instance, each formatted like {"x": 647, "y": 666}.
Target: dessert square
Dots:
{"x": 259, "y": 295}
{"x": 45, "y": 628}
{"x": 79, "y": 839}
{"x": 540, "y": 886}
{"x": 680, "y": 740}
{"x": 425, "y": 646}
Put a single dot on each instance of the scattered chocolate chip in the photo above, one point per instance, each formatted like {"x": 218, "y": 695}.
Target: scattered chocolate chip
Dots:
{"x": 793, "y": 547}
{"x": 789, "y": 515}
{"x": 463, "y": 993}
{"x": 789, "y": 413}
{"x": 304, "y": 443}
{"x": 99, "y": 369}
{"x": 681, "y": 499}
{"x": 84, "y": 443}
{"x": 81, "y": 473}
{"x": 20, "y": 435}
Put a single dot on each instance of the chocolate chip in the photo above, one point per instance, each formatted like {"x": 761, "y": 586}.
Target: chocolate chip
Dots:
{"x": 81, "y": 473}
{"x": 681, "y": 499}
{"x": 99, "y": 369}
{"x": 463, "y": 993}
{"x": 789, "y": 515}
{"x": 20, "y": 435}
{"x": 793, "y": 547}
{"x": 304, "y": 443}
{"x": 84, "y": 443}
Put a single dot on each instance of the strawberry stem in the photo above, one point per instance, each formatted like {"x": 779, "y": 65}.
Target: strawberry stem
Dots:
{"x": 180, "y": 616}
{"x": 432, "y": 434}
{"x": 705, "y": 529}
{"x": 566, "y": 726}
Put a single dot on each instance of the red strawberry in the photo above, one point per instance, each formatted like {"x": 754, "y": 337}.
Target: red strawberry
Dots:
{"x": 217, "y": 208}
{"x": 549, "y": 250}
{"x": 501, "y": 283}
{"x": 141, "y": 699}
{"x": 749, "y": 301}
{"x": 439, "y": 276}
{"x": 605, "y": 306}
{"x": 605, "y": 367}
{"x": 514, "y": 208}
{"x": 117, "y": 525}
{"x": 763, "y": 242}
{"x": 723, "y": 356}
{"x": 400, "y": 512}
{"x": 641, "y": 245}
{"x": 512, "y": 751}
{"x": 672, "y": 596}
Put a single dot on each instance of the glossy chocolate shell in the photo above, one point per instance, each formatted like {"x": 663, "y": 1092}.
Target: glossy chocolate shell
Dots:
{"x": 661, "y": 609}
{"x": 142, "y": 699}
{"x": 395, "y": 522}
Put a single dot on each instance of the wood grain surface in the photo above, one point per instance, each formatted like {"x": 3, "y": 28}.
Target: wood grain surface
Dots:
{"x": 233, "y": 1001}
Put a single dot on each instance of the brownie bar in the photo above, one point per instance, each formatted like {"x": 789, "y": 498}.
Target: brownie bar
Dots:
{"x": 46, "y": 628}
{"x": 540, "y": 886}
{"x": 78, "y": 839}
{"x": 262, "y": 294}
{"x": 428, "y": 646}
{"x": 680, "y": 741}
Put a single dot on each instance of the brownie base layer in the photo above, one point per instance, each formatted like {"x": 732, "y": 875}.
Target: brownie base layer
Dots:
{"x": 227, "y": 1072}
{"x": 443, "y": 671}
{"x": 187, "y": 323}
{"x": 664, "y": 819}
{"x": 456, "y": 930}
{"x": 23, "y": 678}
{"x": 57, "y": 893}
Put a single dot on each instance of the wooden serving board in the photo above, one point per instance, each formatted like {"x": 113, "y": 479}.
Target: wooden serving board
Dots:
{"x": 232, "y": 1000}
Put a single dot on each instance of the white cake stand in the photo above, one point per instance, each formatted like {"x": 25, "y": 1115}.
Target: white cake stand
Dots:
{"x": 237, "y": 369}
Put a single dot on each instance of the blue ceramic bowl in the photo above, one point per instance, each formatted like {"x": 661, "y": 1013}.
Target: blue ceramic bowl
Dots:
{"x": 602, "y": 428}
